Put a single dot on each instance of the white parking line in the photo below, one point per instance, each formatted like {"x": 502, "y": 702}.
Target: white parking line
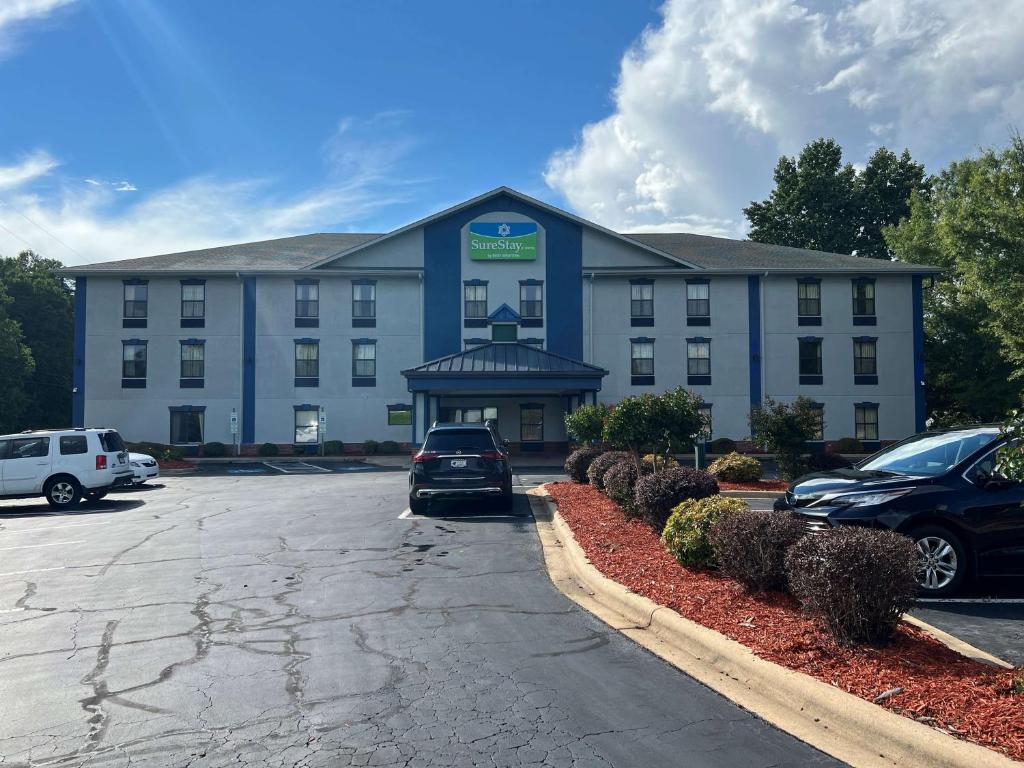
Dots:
{"x": 50, "y": 544}
{"x": 407, "y": 514}
{"x": 7, "y": 531}
{"x": 11, "y": 610}
{"x": 33, "y": 570}
{"x": 978, "y": 600}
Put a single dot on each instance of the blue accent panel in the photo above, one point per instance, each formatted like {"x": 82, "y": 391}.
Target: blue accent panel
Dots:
{"x": 475, "y": 282}
{"x": 364, "y": 381}
{"x": 364, "y": 322}
{"x": 249, "y": 360}
{"x": 133, "y": 383}
{"x": 191, "y": 383}
{"x": 133, "y": 322}
{"x": 504, "y": 314}
{"x": 917, "y": 305}
{"x": 642, "y": 381}
{"x": 698, "y": 321}
{"x": 865, "y": 379}
{"x": 307, "y": 322}
{"x": 698, "y": 380}
{"x": 865, "y": 320}
{"x": 193, "y": 322}
{"x": 307, "y": 381}
{"x": 186, "y": 408}
{"x": 306, "y": 407}
{"x": 699, "y": 339}
{"x": 641, "y": 281}
{"x": 754, "y": 337}
{"x": 531, "y": 322}
{"x": 811, "y": 379}
{"x": 78, "y": 361}
{"x": 193, "y": 281}
{"x": 642, "y": 340}
{"x": 641, "y": 322}
{"x": 697, "y": 281}
{"x": 442, "y": 248}
{"x": 809, "y": 320}
{"x": 412, "y": 437}
{"x": 490, "y": 228}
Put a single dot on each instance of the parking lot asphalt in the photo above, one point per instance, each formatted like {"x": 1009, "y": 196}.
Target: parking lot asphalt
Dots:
{"x": 296, "y": 620}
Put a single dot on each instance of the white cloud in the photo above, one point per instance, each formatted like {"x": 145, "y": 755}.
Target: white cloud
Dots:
{"x": 30, "y": 168}
{"x": 86, "y": 220}
{"x": 707, "y": 100}
{"x": 13, "y": 13}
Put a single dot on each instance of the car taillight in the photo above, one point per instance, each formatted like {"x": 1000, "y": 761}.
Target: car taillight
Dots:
{"x": 490, "y": 455}
{"x": 101, "y": 461}
{"x": 420, "y": 458}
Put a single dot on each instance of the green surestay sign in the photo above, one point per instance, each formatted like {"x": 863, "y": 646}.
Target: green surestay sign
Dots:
{"x": 511, "y": 241}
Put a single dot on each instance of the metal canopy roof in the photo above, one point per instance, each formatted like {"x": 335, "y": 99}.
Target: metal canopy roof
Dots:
{"x": 506, "y": 360}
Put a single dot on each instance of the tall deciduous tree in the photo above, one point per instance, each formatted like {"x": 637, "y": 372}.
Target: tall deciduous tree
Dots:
{"x": 42, "y": 303}
{"x": 972, "y": 225}
{"x": 819, "y": 202}
{"x": 16, "y": 368}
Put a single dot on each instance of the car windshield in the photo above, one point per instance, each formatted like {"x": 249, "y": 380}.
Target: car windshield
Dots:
{"x": 459, "y": 440}
{"x": 929, "y": 455}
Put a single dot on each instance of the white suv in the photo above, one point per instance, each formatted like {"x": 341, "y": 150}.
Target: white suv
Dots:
{"x": 63, "y": 465}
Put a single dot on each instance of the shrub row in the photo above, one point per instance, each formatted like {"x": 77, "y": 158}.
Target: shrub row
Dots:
{"x": 736, "y": 468}
{"x": 578, "y": 463}
{"x": 657, "y": 494}
{"x": 600, "y": 466}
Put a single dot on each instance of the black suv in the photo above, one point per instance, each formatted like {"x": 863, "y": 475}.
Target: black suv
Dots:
{"x": 939, "y": 488}
{"x": 461, "y": 461}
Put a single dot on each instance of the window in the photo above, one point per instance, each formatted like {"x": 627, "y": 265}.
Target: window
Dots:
{"x": 307, "y": 363}
{"x": 474, "y": 415}
{"x": 531, "y": 423}
{"x": 193, "y": 303}
{"x": 641, "y": 303}
{"x": 642, "y": 361}
{"x": 71, "y": 445}
{"x": 307, "y": 424}
{"x": 863, "y": 301}
{"x": 136, "y": 303}
{"x": 808, "y": 302}
{"x": 186, "y": 427}
{"x": 399, "y": 415}
{"x": 818, "y": 409}
{"x": 476, "y": 301}
{"x": 29, "y": 448}
{"x": 705, "y": 415}
{"x": 193, "y": 362}
{"x": 865, "y": 418}
{"x": 865, "y": 360}
{"x": 810, "y": 360}
{"x": 364, "y": 363}
{"x": 698, "y": 361}
{"x": 531, "y": 303}
{"x": 307, "y": 304}
{"x": 698, "y": 302}
{"x": 364, "y": 304}
{"x": 133, "y": 364}
{"x": 504, "y": 332}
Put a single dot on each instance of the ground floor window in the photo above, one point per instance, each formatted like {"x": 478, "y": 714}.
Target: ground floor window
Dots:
{"x": 531, "y": 423}
{"x": 186, "y": 427}
{"x": 866, "y": 421}
{"x": 307, "y": 425}
{"x": 472, "y": 415}
{"x": 399, "y": 415}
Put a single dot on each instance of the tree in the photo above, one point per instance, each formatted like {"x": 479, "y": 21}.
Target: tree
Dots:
{"x": 586, "y": 424}
{"x": 814, "y": 203}
{"x": 820, "y": 203}
{"x": 784, "y": 429}
{"x": 16, "y": 368}
{"x": 972, "y": 225}
{"x": 42, "y": 302}
{"x": 664, "y": 423}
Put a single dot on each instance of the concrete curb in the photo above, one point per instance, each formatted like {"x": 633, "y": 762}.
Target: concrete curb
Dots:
{"x": 842, "y": 725}
{"x": 753, "y": 494}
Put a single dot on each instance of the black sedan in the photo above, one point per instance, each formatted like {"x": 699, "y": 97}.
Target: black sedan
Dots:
{"x": 941, "y": 489}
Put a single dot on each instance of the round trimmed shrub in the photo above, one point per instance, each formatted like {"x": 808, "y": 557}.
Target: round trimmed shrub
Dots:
{"x": 658, "y": 494}
{"x": 750, "y": 546}
{"x": 371, "y": 447}
{"x": 723, "y": 445}
{"x": 600, "y": 466}
{"x": 269, "y": 449}
{"x": 658, "y": 463}
{"x": 578, "y": 462}
{"x": 858, "y": 581}
{"x": 736, "y": 468}
{"x": 333, "y": 447}
{"x": 620, "y": 485}
{"x": 389, "y": 446}
{"x": 823, "y": 461}
{"x": 687, "y": 530}
{"x": 215, "y": 450}
{"x": 848, "y": 445}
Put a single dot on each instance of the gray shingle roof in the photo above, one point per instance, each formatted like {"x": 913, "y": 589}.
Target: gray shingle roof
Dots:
{"x": 721, "y": 253}
{"x": 285, "y": 253}
{"x": 505, "y": 358}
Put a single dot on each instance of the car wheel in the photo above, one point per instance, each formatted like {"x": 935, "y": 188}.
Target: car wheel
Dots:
{"x": 63, "y": 492}
{"x": 94, "y": 495}
{"x": 417, "y": 506}
{"x": 942, "y": 560}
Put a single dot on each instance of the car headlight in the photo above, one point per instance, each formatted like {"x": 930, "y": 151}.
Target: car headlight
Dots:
{"x": 135, "y": 464}
{"x": 861, "y": 499}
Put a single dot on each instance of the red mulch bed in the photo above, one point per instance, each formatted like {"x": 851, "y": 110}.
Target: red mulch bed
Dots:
{"x": 940, "y": 687}
{"x": 175, "y": 464}
{"x": 757, "y": 485}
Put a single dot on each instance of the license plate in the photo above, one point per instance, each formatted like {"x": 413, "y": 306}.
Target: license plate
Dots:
{"x": 458, "y": 463}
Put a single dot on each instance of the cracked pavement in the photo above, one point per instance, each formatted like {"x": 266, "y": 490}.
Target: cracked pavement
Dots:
{"x": 296, "y": 621}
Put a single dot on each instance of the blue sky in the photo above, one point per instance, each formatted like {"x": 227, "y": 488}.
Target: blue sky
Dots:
{"x": 141, "y": 126}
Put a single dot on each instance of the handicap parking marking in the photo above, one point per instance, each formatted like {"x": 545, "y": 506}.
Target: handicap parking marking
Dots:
{"x": 295, "y": 467}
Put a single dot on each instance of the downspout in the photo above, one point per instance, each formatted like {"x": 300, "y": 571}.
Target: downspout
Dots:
{"x": 423, "y": 335}
{"x": 764, "y": 362}
{"x": 590, "y": 327}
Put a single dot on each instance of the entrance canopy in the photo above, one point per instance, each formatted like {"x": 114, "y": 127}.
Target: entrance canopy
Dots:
{"x": 505, "y": 367}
